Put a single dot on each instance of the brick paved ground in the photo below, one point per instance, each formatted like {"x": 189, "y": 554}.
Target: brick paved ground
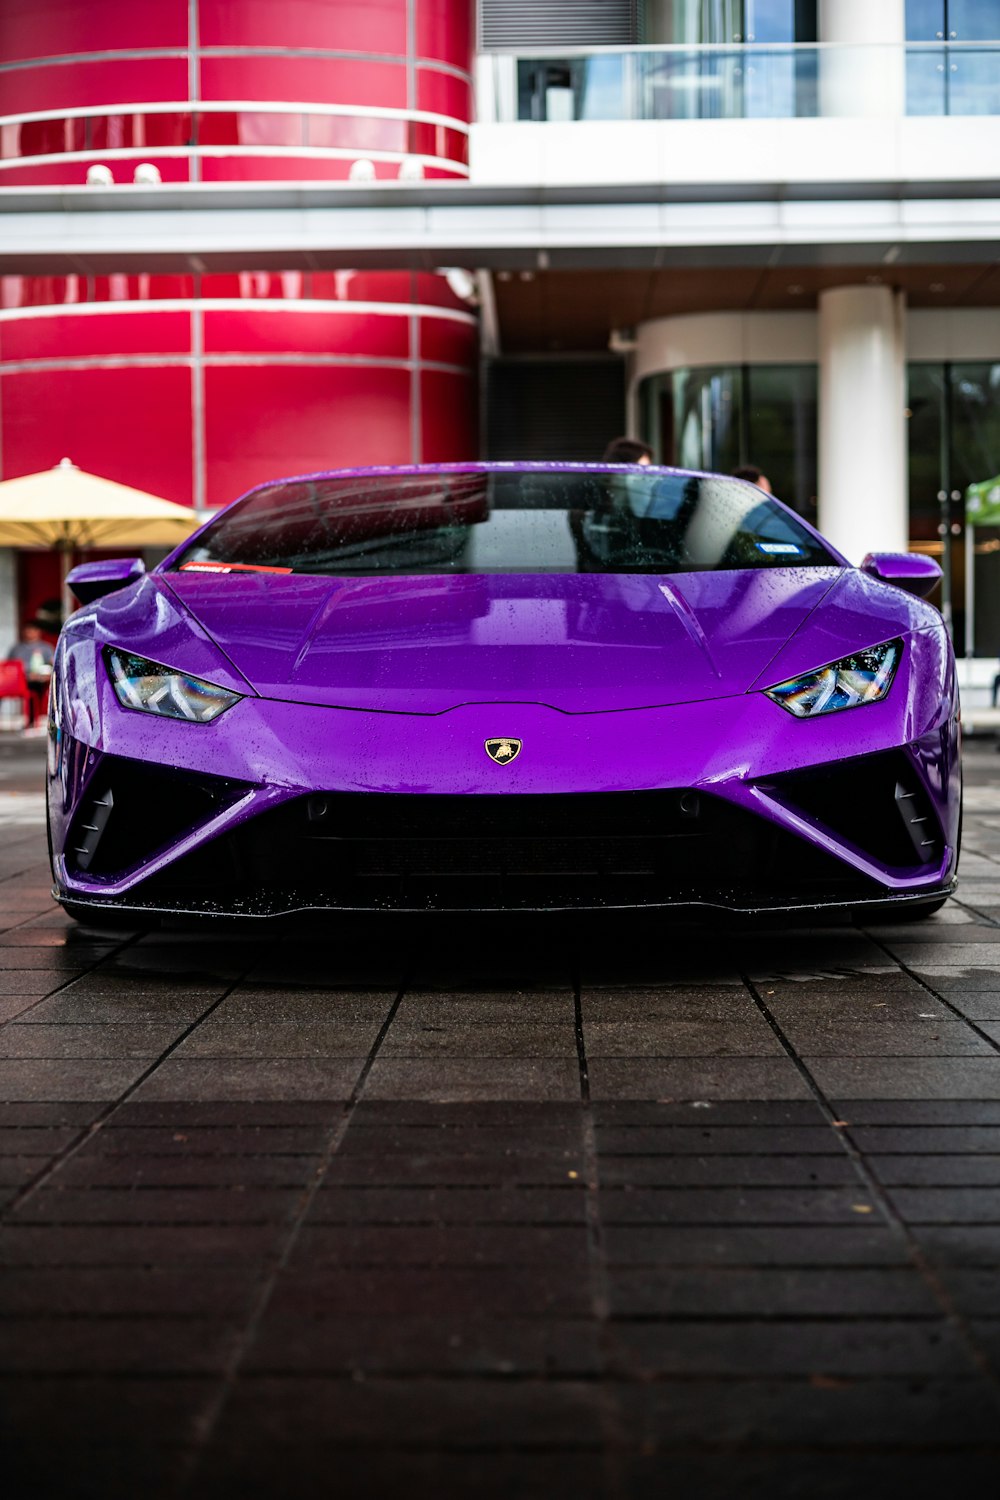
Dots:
{"x": 447, "y": 1210}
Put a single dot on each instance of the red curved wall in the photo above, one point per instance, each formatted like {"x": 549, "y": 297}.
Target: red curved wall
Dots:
{"x": 198, "y": 387}
{"x": 233, "y": 90}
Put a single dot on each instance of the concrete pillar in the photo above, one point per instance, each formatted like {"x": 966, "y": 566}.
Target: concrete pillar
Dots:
{"x": 863, "y": 72}
{"x": 862, "y": 432}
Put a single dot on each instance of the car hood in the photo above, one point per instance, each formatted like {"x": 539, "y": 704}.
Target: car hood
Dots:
{"x": 582, "y": 643}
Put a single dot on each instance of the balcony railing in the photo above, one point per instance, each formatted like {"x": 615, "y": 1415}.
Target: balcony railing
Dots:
{"x": 163, "y": 130}
{"x": 741, "y": 82}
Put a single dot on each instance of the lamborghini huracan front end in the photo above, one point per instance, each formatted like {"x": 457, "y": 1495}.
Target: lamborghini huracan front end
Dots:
{"x": 503, "y": 688}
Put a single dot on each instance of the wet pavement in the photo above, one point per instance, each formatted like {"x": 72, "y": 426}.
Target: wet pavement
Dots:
{"x": 508, "y": 1209}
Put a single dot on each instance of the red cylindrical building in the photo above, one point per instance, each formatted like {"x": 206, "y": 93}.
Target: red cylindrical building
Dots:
{"x": 197, "y": 386}
{"x": 234, "y": 90}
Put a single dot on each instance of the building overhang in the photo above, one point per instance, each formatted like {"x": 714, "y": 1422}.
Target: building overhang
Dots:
{"x": 198, "y": 227}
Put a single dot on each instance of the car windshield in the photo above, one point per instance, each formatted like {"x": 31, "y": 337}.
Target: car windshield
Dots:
{"x": 634, "y": 520}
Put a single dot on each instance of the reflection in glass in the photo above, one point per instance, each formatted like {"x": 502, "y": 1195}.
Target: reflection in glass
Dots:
{"x": 576, "y": 88}
{"x": 973, "y": 20}
{"x": 780, "y": 21}
{"x": 925, "y": 20}
{"x": 721, "y": 417}
{"x": 954, "y": 441}
{"x": 629, "y": 520}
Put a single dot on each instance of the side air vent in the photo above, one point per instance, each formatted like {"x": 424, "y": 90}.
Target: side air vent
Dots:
{"x": 875, "y": 802}
{"x": 919, "y": 822}
{"x": 91, "y": 826}
{"x": 131, "y": 810}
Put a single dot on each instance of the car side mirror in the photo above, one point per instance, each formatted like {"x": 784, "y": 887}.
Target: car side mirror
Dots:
{"x": 95, "y": 579}
{"x": 911, "y": 571}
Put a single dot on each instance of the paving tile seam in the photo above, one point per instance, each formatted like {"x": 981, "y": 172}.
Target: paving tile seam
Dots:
{"x": 113, "y": 950}
{"x": 981, "y": 916}
{"x": 629, "y": 1447}
{"x": 91, "y": 1129}
{"x": 770, "y": 1319}
{"x": 910, "y": 971}
{"x": 610, "y": 1415}
{"x": 510, "y": 1185}
{"x": 916, "y": 1255}
{"x": 559, "y": 1383}
{"x": 206, "y": 1421}
{"x": 354, "y": 1223}
{"x": 544, "y": 1318}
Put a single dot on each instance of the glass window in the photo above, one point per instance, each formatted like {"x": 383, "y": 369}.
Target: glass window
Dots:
{"x": 625, "y": 520}
{"x": 780, "y": 21}
{"x": 925, "y": 20}
{"x": 973, "y": 20}
{"x": 975, "y": 455}
{"x": 975, "y": 423}
{"x": 954, "y": 441}
{"x": 953, "y": 20}
{"x": 721, "y": 418}
{"x": 707, "y": 413}
{"x": 972, "y": 80}
{"x": 694, "y": 22}
{"x": 925, "y": 403}
{"x": 681, "y": 23}
{"x": 780, "y": 424}
{"x": 576, "y": 88}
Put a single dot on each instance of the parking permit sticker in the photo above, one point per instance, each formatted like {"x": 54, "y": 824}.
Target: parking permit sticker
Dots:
{"x": 779, "y": 549}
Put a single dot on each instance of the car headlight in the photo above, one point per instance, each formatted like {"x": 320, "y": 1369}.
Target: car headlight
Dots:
{"x": 153, "y": 689}
{"x": 851, "y": 682}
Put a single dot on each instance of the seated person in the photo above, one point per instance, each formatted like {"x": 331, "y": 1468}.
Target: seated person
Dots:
{"x": 34, "y": 651}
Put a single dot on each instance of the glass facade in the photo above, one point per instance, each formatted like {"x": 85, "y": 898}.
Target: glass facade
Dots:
{"x": 954, "y": 441}
{"x": 722, "y": 417}
{"x": 693, "y": 22}
{"x": 952, "y": 20}
{"x": 745, "y": 82}
{"x": 758, "y": 59}
{"x": 718, "y": 417}
{"x": 958, "y": 77}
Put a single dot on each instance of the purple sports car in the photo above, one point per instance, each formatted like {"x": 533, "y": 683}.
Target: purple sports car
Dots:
{"x": 504, "y": 687}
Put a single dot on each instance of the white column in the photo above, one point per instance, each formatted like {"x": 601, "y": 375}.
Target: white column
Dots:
{"x": 864, "y": 71}
{"x": 862, "y": 431}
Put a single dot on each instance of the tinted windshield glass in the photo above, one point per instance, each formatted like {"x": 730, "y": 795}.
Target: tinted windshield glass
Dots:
{"x": 627, "y": 521}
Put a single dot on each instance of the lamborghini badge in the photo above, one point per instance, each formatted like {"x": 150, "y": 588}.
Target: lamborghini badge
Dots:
{"x": 503, "y": 751}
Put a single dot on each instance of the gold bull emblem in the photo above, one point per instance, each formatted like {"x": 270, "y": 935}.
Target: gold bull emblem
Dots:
{"x": 503, "y": 751}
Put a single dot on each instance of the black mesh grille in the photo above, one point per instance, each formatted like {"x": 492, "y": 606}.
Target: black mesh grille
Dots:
{"x": 378, "y": 851}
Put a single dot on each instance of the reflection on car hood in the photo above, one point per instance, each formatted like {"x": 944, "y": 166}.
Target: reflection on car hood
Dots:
{"x": 582, "y": 643}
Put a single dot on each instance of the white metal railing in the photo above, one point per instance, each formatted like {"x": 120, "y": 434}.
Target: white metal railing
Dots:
{"x": 180, "y": 128}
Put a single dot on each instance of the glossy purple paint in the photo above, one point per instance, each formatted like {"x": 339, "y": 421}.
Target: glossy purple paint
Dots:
{"x": 582, "y": 643}
{"x": 613, "y": 682}
{"x": 908, "y": 570}
{"x": 93, "y": 580}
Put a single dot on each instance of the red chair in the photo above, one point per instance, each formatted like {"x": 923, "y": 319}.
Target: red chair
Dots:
{"x": 14, "y": 685}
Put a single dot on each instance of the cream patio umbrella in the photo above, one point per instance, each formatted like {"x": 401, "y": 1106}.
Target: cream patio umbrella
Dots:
{"x": 66, "y": 508}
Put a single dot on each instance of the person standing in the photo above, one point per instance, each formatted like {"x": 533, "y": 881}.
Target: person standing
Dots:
{"x": 753, "y": 475}
{"x": 625, "y": 450}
